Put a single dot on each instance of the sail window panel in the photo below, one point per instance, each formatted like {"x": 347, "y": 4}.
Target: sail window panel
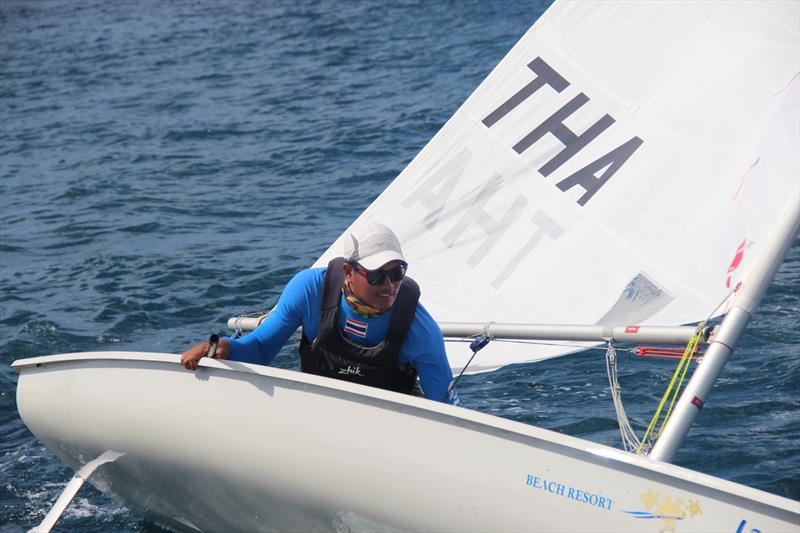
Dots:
{"x": 639, "y": 300}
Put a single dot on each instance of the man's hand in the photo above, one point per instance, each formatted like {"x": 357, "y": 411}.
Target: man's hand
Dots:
{"x": 192, "y": 356}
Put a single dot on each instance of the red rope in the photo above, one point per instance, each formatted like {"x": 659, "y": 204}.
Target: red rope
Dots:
{"x": 663, "y": 352}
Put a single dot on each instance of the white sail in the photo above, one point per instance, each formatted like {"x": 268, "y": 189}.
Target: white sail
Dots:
{"x": 623, "y": 164}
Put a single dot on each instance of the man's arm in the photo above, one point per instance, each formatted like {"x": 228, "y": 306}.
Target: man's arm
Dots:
{"x": 424, "y": 348}
{"x": 295, "y": 306}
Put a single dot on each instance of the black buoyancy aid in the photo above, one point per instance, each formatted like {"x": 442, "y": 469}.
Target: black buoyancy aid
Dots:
{"x": 332, "y": 355}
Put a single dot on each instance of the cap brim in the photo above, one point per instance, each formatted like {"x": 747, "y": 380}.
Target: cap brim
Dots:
{"x": 374, "y": 262}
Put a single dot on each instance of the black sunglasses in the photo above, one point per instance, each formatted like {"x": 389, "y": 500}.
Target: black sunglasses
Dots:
{"x": 377, "y": 277}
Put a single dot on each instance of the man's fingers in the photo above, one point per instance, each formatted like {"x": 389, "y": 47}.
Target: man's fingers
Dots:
{"x": 192, "y": 355}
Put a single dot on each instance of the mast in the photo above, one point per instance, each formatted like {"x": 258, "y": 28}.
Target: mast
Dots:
{"x": 727, "y": 335}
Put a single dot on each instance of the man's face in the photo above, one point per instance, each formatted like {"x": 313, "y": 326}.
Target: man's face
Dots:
{"x": 380, "y": 296}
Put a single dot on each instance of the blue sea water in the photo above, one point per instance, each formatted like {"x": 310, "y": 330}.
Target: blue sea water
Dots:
{"x": 165, "y": 165}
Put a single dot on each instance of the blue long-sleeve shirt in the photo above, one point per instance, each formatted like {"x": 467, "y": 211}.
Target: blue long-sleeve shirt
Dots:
{"x": 299, "y": 305}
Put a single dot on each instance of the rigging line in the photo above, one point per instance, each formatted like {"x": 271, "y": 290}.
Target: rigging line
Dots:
{"x": 476, "y": 345}
{"x": 720, "y": 304}
{"x": 540, "y": 343}
{"x": 682, "y": 368}
{"x": 629, "y": 440}
{"x": 629, "y": 351}
{"x": 684, "y": 361}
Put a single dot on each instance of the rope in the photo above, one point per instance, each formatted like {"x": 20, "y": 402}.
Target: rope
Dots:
{"x": 663, "y": 352}
{"x": 629, "y": 439}
{"x": 578, "y": 345}
{"x": 677, "y": 377}
{"x": 685, "y": 361}
{"x": 476, "y": 345}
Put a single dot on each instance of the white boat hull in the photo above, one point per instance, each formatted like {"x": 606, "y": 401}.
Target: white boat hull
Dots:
{"x": 246, "y": 447}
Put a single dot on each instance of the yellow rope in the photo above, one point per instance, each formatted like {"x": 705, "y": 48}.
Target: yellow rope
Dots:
{"x": 686, "y": 359}
{"x": 681, "y": 369}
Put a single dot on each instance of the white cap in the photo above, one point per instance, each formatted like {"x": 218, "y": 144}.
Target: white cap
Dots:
{"x": 372, "y": 245}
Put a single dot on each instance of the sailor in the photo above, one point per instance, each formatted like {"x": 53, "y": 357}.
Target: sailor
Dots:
{"x": 361, "y": 320}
